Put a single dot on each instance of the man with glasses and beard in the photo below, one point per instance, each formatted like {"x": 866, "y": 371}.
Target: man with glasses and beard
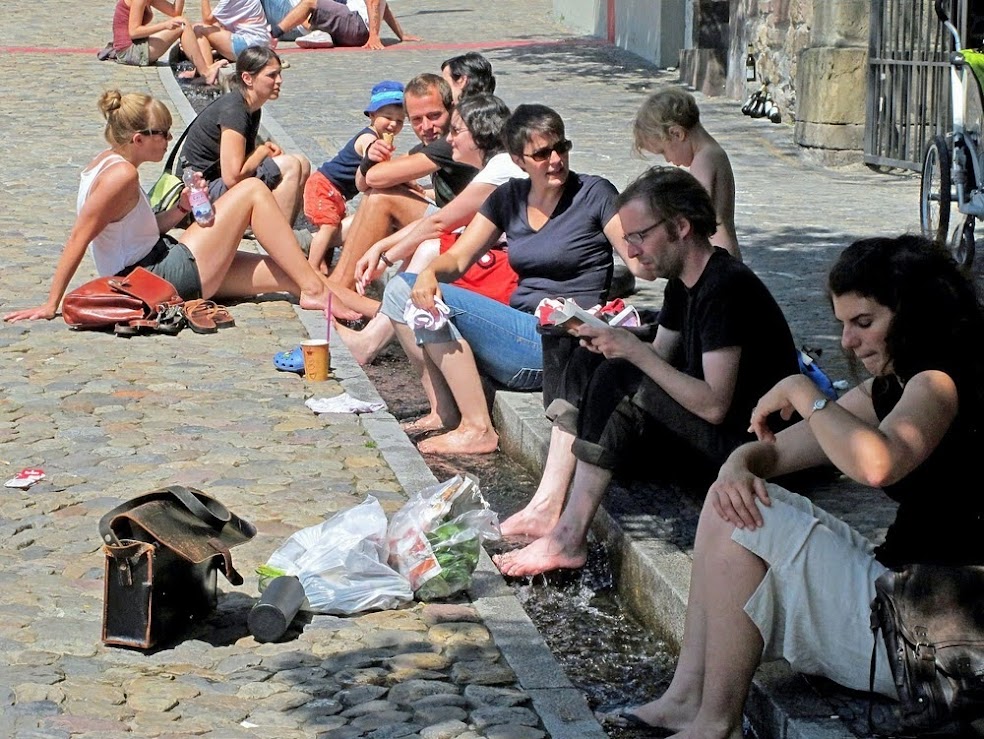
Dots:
{"x": 680, "y": 404}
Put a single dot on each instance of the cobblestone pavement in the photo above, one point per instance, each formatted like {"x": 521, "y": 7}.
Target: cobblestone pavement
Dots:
{"x": 109, "y": 418}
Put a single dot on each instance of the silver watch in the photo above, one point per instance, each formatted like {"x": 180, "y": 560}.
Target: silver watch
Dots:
{"x": 818, "y": 405}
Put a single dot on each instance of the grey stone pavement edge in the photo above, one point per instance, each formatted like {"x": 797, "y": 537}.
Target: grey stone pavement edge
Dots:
{"x": 110, "y": 418}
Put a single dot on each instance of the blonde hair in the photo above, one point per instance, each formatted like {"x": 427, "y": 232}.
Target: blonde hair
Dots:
{"x": 668, "y": 107}
{"x": 129, "y": 113}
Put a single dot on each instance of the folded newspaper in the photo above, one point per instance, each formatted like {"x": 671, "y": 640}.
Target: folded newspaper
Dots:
{"x": 568, "y": 314}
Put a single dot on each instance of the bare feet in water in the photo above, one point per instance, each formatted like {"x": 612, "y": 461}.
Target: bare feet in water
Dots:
{"x": 534, "y": 521}
{"x": 461, "y": 441}
{"x": 424, "y": 425}
{"x": 543, "y": 555}
{"x": 213, "y": 71}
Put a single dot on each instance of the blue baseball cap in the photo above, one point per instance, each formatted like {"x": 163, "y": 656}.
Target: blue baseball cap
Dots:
{"x": 387, "y": 92}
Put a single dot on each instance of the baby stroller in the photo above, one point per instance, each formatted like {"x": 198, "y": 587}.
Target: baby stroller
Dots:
{"x": 953, "y": 165}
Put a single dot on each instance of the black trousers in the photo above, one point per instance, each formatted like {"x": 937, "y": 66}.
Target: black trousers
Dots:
{"x": 625, "y": 422}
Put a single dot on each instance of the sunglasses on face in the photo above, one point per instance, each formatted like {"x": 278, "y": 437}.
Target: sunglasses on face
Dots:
{"x": 541, "y": 155}
{"x": 166, "y": 133}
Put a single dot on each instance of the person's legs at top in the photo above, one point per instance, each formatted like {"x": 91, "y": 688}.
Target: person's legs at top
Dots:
{"x": 218, "y": 40}
{"x": 277, "y": 10}
{"x": 345, "y": 26}
{"x": 160, "y": 42}
{"x": 379, "y": 213}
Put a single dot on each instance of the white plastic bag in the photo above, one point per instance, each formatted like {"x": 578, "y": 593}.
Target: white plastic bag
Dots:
{"x": 436, "y": 537}
{"x": 342, "y": 563}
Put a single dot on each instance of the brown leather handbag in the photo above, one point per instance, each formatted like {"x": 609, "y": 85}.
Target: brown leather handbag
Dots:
{"x": 163, "y": 550}
{"x": 932, "y": 620}
{"x": 141, "y": 300}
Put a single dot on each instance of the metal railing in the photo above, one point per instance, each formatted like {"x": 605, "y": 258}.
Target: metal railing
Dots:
{"x": 908, "y": 80}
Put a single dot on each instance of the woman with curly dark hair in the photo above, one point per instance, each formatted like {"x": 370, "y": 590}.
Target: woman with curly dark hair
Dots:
{"x": 776, "y": 577}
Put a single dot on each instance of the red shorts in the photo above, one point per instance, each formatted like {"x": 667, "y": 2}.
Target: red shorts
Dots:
{"x": 490, "y": 276}
{"x": 324, "y": 205}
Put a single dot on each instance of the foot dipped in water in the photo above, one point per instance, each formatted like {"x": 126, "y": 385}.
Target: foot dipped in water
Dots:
{"x": 423, "y": 425}
{"x": 543, "y": 555}
{"x": 212, "y": 76}
{"x": 461, "y": 441}
{"x": 537, "y": 519}
{"x": 662, "y": 717}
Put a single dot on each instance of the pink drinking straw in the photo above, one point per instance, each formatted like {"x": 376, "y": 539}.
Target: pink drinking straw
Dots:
{"x": 328, "y": 318}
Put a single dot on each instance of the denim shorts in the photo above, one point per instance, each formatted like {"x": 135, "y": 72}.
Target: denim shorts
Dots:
{"x": 173, "y": 261}
{"x": 503, "y": 339}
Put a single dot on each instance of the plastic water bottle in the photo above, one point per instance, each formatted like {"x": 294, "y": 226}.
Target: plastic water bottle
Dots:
{"x": 201, "y": 205}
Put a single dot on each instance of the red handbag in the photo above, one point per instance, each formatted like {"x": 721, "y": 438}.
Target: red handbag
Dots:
{"x": 141, "y": 300}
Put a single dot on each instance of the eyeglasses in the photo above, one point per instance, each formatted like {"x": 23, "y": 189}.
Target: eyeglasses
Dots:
{"x": 166, "y": 133}
{"x": 637, "y": 237}
{"x": 457, "y": 131}
{"x": 541, "y": 155}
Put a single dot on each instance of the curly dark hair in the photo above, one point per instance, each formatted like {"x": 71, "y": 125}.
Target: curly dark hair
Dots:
{"x": 937, "y": 322}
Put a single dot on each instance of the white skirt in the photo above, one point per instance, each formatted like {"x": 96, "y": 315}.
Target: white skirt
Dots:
{"x": 813, "y": 607}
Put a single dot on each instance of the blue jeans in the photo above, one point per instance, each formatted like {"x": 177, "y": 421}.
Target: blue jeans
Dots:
{"x": 503, "y": 339}
{"x": 276, "y": 11}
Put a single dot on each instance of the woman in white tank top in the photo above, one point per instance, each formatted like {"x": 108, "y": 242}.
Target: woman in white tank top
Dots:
{"x": 115, "y": 217}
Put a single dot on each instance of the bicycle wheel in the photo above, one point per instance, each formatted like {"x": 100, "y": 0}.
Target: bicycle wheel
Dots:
{"x": 934, "y": 192}
{"x": 962, "y": 244}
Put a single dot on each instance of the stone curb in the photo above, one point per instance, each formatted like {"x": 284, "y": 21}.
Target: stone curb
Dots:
{"x": 654, "y": 579}
{"x": 561, "y": 707}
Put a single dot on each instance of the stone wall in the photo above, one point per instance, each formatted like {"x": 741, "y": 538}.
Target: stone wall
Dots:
{"x": 813, "y": 54}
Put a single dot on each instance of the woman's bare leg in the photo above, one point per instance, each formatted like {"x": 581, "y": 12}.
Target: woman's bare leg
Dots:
{"x": 205, "y": 66}
{"x": 443, "y": 411}
{"x": 732, "y": 642}
{"x": 218, "y": 39}
{"x": 368, "y": 342}
{"x": 475, "y": 433}
{"x": 543, "y": 511}
{"x": 226, "y": 272}
{"x": 718, "y": 590}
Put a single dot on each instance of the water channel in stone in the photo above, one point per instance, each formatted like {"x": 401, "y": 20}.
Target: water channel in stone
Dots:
{"x": 607, "y": 654}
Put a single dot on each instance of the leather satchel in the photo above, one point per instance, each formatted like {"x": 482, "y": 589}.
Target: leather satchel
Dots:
{"x": 932, "y": 620}
{"x": 163, "y": 550}
{"x": 141, "y": 300}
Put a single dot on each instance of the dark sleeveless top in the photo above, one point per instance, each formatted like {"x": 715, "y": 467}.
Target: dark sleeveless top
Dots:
{"x": 342, "y": 168}
{"x": 940, "y": 519}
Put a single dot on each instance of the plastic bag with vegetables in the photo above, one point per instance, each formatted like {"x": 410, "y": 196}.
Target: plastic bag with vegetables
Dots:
{"x": 436, "y": 537}
{"x": 341, "y": 563}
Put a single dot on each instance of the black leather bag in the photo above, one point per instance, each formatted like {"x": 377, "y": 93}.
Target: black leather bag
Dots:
{"x": 932, "y": 620}
{"x": 163, "y": 550}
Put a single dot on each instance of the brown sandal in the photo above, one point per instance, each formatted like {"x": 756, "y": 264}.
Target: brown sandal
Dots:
{"x": 198, "y": 314}
{"x": 222, "y": 317}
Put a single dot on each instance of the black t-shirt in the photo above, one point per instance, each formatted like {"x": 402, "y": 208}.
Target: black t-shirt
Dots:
{"x": 202, "y": 144}
{"x": 940, "y": 519}
{"x": 730, "y": 306}
{"x": 570, "y": 256}
{"x": 451, "y": 177}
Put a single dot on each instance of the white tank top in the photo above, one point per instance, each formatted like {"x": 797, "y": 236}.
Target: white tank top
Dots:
{"x": 129, "y": 239}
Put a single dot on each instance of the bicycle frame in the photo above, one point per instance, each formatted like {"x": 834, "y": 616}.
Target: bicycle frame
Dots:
{"x": 964, "y": 144}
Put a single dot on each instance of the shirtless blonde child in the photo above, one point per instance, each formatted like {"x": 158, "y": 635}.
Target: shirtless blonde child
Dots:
{"x": 668, "y": 123}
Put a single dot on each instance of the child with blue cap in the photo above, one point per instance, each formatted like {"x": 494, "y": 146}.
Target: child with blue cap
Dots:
{"x": 330, "y": 188}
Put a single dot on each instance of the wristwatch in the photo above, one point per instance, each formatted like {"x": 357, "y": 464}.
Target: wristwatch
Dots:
{"x": 818, "y": 405}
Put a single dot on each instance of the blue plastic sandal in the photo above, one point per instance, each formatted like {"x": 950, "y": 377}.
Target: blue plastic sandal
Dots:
{"x": 292, "y": 361}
